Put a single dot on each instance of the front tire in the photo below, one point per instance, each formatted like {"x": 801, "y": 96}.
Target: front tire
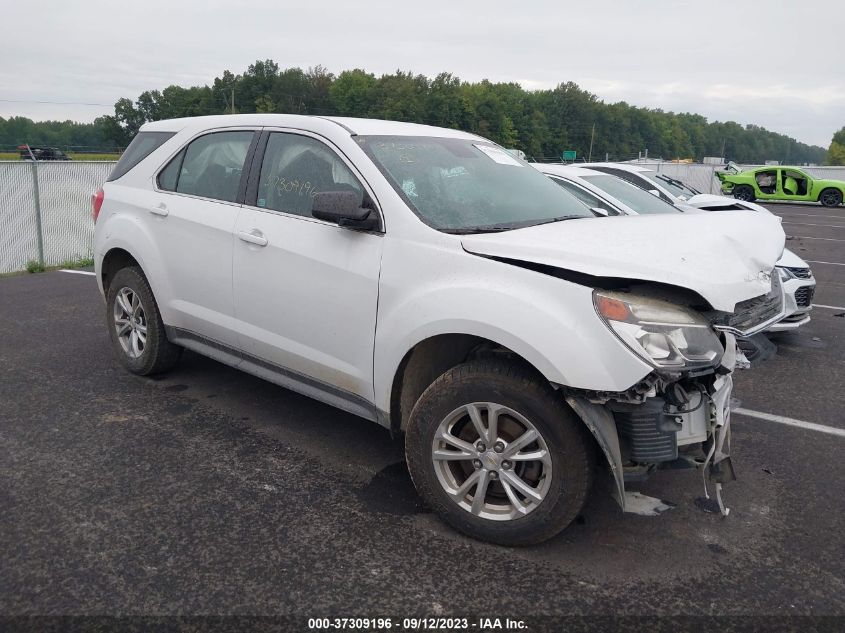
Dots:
{"x": 744, "y": 193}
{"x": 831, "y": 197}
{"x": 498, "y": 455}
{"x": 135, "y": 325}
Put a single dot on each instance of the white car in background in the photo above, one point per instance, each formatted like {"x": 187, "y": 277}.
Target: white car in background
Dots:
{"x": 798, "y": 282}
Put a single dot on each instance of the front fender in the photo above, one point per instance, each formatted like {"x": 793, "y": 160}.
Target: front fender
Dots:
{"x": 549, "y": 322}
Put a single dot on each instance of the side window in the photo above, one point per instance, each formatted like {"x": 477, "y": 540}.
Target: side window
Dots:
{"x": 585, "y": 196}
{"x": 169, "y": 176}
{"x": 144, "y": 144}
{"x": 295, "y": 168}
{"x": 211, "y": 166}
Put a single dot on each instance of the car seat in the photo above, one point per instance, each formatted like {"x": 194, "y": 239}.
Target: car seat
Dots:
{"x": 790, "y": 185}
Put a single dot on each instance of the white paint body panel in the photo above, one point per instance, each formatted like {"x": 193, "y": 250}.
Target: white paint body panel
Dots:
{"x": 307, "y": 300}
{"x": 719, "y": 256}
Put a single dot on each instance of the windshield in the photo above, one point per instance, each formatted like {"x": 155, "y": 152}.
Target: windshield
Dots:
{"x": 467, "y": 185}
{"x": 675, "y": 187}
{"x": 637, "y": 199}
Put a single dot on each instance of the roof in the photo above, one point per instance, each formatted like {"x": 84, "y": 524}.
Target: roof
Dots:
{"x": 352, "y": 125}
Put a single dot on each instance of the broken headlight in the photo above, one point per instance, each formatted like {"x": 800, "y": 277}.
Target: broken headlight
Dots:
{"x": 666, "y": 335}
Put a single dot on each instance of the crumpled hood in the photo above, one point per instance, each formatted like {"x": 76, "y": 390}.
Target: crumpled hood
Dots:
{"x": 724, "y": 257}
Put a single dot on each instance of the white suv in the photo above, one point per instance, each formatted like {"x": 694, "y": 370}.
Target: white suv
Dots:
{"x": 430, "y": 281}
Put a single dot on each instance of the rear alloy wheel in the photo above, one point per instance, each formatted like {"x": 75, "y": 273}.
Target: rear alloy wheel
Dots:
{"x": 135, "y": 325}
{"x": 130, "y": 322}
{"x": 744, "y": 193}
{"x": 831, "y": 197}
{"x": 498, "y": 454}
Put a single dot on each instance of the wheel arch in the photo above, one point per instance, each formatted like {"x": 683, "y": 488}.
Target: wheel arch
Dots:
{"x": 823, "y": 190}
{"x": 431, "y": 357}
{"x": 114, "y": 260}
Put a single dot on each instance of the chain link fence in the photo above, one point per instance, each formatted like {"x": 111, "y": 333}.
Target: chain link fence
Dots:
{"x": 45, "y": 207}
{"x": 45, "y": 211}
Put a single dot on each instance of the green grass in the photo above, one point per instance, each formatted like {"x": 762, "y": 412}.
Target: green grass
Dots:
{"x": 34, "y": 266}
{"x": 73, "y": 156}
{"x": 79, "y": 262}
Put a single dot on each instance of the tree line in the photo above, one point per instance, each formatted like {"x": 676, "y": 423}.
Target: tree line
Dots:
{"x": 542, "y": 123}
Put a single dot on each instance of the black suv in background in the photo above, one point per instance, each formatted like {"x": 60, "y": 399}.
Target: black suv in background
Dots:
{"x": 42, "y": 153}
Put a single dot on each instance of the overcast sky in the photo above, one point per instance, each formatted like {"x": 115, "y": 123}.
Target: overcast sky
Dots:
{"x": 777, "y": 64}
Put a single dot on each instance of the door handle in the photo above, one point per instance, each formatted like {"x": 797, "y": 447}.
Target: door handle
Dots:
{"x": 159, "y": 210}
{"x": 253, "y": 237}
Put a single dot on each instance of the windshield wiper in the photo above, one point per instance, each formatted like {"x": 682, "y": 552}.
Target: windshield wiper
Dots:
{"x": 478, "y": 229}
{"x": 560, "y": 219}
{"x": 498, "y": 228}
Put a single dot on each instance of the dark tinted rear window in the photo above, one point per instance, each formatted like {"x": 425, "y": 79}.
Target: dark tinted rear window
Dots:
{"x": 144, "y": 144}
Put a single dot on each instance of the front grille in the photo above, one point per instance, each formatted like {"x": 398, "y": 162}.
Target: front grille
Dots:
{"x": 801, "y": 273}
{"x": 752, "y": 312}
{"x": 804, "y": 296}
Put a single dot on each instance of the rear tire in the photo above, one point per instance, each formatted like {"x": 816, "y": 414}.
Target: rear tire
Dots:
{"x": 535, "y": 469}
{"x": 830, "y": 197}
{"x": 135, "y": 326}
{"x": 744, "y": 193}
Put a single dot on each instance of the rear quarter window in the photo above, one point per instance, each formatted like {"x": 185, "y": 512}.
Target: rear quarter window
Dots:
{"x": 144, "y": 144}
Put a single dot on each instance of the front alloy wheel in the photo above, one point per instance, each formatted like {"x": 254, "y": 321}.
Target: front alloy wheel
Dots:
{"x": 492, "y": 461}
{"x": 831, "y": 198}
{"x": 497, "y": 453}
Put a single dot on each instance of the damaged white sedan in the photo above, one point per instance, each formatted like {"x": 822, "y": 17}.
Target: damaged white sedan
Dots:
{"x": 428, "y": 280}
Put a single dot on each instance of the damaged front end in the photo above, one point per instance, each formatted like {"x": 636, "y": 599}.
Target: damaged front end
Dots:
{"x": 679, "y": 415}
{"x": 683, "y": 423}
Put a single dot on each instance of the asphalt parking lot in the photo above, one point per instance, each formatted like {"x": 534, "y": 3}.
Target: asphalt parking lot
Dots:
{"x": 208, "y": 491}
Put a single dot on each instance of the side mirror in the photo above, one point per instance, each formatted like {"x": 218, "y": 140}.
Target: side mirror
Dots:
{"x": 599, "y": 212}
{"x": 654, "y": 192}
{"x": 343, "y": 208}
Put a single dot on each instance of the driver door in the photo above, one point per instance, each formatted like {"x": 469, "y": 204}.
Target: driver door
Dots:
{"x": 305, "y": 290}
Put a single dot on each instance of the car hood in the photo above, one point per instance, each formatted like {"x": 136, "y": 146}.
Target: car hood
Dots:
{"x": 709, "y": 200}
{"x": 791, "y": 260}
{"x": 724, "y": 257}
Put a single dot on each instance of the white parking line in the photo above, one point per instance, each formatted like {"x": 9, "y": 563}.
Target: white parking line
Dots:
{"x": 77, "y": 272}
{"x": 830, "y": 226}
{"x": 810, "y": 215}
{"x": 813, "y": 261}
{"x": 804, "y": 237}
{"x": 780, "y": 419}
{"x": 819, "y": 305}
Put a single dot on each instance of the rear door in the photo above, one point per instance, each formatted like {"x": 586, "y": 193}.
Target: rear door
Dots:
{"x": 200, "y": 191}
{"x": 306, "y": 290}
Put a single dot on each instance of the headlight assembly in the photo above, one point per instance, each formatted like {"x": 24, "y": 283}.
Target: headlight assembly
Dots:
{"x": 664, "y": 334}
